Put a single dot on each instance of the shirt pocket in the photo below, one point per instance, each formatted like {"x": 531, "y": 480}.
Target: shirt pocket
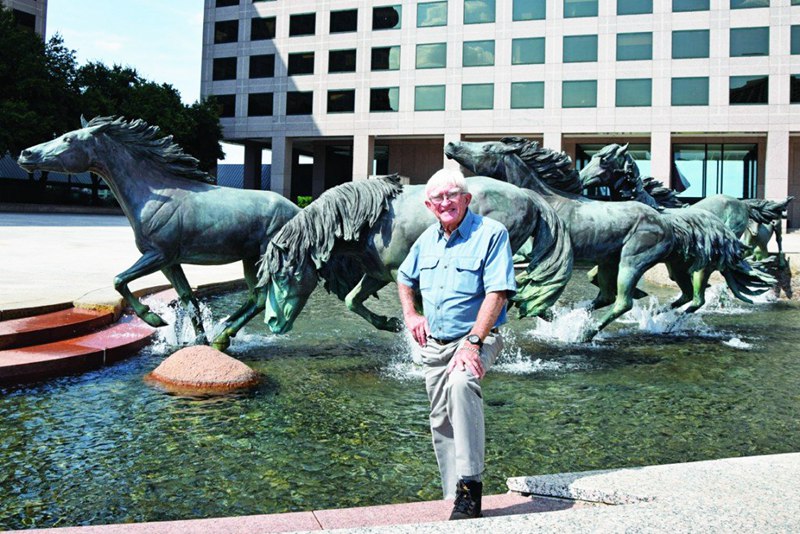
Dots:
{"x": 427, "y": 267}
{"x": 467, "y": 278}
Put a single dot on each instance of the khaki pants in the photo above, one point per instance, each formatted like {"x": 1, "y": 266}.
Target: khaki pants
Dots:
{"x": 456, "y": 410}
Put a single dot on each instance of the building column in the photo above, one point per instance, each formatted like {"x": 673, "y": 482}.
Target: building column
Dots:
{"x": 252, "y": 165}
{"x": 450, "y": 163}
{"x": 661, "y": 152}
{"x": 318, "y": 173}
{"x": 363, "y": 156}
{"x": 552, "y": 140}
{"x": 776, "y": 165}
{"x": 281, "y": 181}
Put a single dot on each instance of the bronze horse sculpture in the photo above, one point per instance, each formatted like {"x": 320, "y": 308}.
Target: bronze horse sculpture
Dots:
{"x": 177, "y": 216}
{"x": 356, "y": 235}
{"x": 624, "y": 239}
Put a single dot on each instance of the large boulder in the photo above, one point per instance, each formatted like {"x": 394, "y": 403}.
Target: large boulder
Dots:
{"x": 201, "y": 368}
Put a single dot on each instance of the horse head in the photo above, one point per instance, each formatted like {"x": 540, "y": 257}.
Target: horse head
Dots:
{"x": 287, "y": 293}
{"x": 615, "y": 168}
{"x": 485, "y": 159}
{"x": 72, "y": 152}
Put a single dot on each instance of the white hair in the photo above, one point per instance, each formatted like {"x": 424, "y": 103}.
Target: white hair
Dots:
{"x": 445, "y": 177}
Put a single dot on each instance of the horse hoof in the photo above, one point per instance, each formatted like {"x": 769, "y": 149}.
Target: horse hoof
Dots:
{"x": 201, "y": 340}
{"x": 221, "y": 345}
{"x": 153, "y": 319}
{"x": 394, "y": 325}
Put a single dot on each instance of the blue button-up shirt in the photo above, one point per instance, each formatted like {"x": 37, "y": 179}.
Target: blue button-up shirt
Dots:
{"x": 454, "y": 275}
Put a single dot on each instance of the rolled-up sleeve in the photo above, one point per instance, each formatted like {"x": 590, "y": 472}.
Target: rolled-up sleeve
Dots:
{"x": 408, "y": 272}
{"x": 498, "y": 271}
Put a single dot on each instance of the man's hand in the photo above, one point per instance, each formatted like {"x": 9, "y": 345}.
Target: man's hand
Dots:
{"x": 418, "y": 326}
{"x": 467, "y": 358}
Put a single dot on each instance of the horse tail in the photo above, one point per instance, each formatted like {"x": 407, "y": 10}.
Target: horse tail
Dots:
{"x": 765, "y": 211}
{"x": 706, "y": 243}
{"x": 549, "y": 265}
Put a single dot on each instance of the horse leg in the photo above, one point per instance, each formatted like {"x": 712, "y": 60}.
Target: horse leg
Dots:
{"x": 678, "y": 274}
{"x": 177, "y": 278}
{"x": 355, "y": 303}
{"x": 605, "y": 279}
{"x": 256, "y": 302}
{"x": 700, "y": 283}
{"x": 147, "y": 264}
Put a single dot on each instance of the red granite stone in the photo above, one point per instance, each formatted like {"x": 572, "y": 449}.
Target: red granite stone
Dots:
{"x": 50, "y": 327}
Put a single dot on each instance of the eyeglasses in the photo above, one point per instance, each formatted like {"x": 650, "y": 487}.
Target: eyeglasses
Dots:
{"x": 449, "y": 195}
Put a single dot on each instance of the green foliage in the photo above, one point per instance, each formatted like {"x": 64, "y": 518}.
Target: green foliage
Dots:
{"x": 303, "y": 201}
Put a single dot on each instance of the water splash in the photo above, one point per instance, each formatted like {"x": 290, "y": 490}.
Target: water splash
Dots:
{"x": 650, "y": 316}
{"x": 737, "y": 343}
{"x": 179, "y": 330}
{"x": 569, "y": 324}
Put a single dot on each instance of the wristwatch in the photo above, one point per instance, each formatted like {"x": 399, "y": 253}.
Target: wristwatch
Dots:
{"x": 475, "y": 339}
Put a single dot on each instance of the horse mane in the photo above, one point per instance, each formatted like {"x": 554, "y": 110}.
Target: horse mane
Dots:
{"x": 664, "y": 196}
{"x": 765, "y": 211}
{"x": 553, "y": 168}
{"x": 145, "y": 141}
{"x": 340, "y": 213}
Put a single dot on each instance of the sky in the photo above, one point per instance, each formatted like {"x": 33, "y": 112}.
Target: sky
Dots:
{"x": 161, "y": 39}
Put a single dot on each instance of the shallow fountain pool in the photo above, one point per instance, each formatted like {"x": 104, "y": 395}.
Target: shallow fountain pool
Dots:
{"x": 341, "y": 419}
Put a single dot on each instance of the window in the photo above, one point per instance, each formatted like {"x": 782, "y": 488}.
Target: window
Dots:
{"x": 478, "y": 53}
{"x": 384, "y": 99}
{"x": 529, "y": 10}
{"x": 342, "y": 60}
{"x": 689, "y": 5}
{"x": 527, "y": 95}
{"x": 387, "y": 17}
{"x": 431, "y": 14}
{"x": 634, "y": 46}
{"x": 226, "y": 3}
{"x": 301, "y": 63}
{"x": 796, "y": 2}
{"x": 224, "y": 68}
{"x": 631, "y": 93}
{"x": 305, "y": 24}
{"x": 429, "y": 98}
{"x": 344, "y": 21}
{"x": 711, "y": 169}
{"x": 227, "y": 105}
{"x": 690, "y": 91}
{"x": 690, "y": 44}
{"x": 259, "y": 105}
{"x": 749, "y": 90}
{"x": 342, "y": 101}
{"x": 795, "y": 46}
{"x": 431, "y": 56}
{"x": 580, "y": 8}
{"x": 634, "y": 7}
{"x": 579, "y": 94}
{"x": 262, "y": 66}
{"x": 261, "y": 29}
{"x": 299, "y": 102}
{"x": 385, "y": 58}
{"x": 24, "y": 20}
{"x": 527, "y": 51}
{"x": 749, "y": 42}
{"x": 226, "y": 31}
{"x": 578, "y": 48}
{"x": 745, "y": 4}
{"x": 478, "y": 11}
{"x": 477, "y": 96}
{"x": 794, "y": 88}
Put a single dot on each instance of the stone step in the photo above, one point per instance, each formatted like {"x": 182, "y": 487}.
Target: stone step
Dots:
{"x": 51, "y": 327}
{"x": 76, "y": 354}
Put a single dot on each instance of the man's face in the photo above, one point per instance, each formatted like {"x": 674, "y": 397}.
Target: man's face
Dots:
{"x": 449, "y": 204}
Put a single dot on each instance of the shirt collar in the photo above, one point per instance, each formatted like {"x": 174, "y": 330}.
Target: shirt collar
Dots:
{"x": 464, "y": 229}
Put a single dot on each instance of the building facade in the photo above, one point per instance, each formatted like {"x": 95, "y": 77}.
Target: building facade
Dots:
{"x": 29, "y": 13}
{"x": 706, "y": 90}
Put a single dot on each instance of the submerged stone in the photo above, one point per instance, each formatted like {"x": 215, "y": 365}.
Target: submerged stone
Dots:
{"x": 203, "y": 368}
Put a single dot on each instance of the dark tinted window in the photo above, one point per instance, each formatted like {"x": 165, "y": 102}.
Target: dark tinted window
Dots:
{"x": 384, "y": 99}
{"x": 690, "y": 5}
{"x": 344, "y": 21}
{"x": 749, "y": 90}
{"x": 262, "y": 66}
{"x": 302, "y": 24}
{"x": 301, "y": 63}
{"x": 794, "y": 88}
{"x": 299, "y": 102}
{"x": 262, "y": 28}
{"x": 342, "y": 61}
{"x": 226, "y": 3}
{"x": 634, "y": 7}
{"x": 386, "y": 58}
{"x": 386, "y": 18}
{"x": 226, "y": 31}
{"x": 26, "y": 20}
{"x": 224, "y": 68}
{"x": 227, "y": 105}
{"x": 259, "y": 104}
{"x": 343, "y": 101}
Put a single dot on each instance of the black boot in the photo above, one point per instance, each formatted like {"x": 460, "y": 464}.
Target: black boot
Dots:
{"x": 468, "y": 500}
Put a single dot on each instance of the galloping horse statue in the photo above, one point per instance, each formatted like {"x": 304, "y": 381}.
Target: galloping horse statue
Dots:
{"x": 753, "y": 220}
{"x": 356, "y": 235}
{"x": 624, "y": 239}
{"x": 177, "y": 216}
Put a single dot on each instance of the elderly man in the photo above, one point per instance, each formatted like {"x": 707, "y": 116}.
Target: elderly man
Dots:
{"x": 463, "y": 270}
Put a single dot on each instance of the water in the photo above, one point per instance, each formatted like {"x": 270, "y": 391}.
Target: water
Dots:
{"x": 341, "y": 419}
